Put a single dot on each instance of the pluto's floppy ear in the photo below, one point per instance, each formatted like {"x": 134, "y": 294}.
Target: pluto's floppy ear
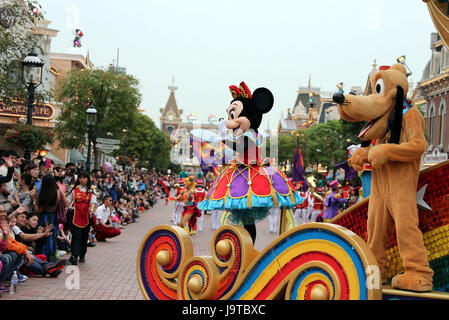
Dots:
{"x": 263, "y": 100}
{"x": 397, "y": 118}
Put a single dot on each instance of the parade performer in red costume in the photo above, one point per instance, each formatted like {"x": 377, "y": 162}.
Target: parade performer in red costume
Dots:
{"x": 84, "y": 202}
{"x": 200, "y": 194}
{"x": 190, "y": 212}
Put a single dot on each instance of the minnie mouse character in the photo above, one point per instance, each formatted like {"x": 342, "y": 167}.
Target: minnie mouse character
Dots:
{"x": 246, "y": 110}
{"x": 249, "y": 186}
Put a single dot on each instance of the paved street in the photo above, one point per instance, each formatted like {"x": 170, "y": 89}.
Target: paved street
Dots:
{"x": 110, "y": 269}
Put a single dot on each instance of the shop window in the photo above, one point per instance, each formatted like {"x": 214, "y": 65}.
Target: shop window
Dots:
{"x": 442, "y": 114}
{"x": 431, "y": 122}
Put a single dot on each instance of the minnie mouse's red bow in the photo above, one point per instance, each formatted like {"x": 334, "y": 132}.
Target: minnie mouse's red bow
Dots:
{"x": 243, "y": 91}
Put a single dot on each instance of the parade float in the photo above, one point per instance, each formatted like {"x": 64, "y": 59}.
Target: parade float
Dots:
{"x": 313, "y": 261}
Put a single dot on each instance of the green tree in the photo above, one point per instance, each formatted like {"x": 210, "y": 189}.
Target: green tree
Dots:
{"x": 286, "y": 148}
{"x": 148, "y": 144}
{"x": 16, "y": 41}
{"x": 351, "y": 130}
{"x": 115, "y": 96}
{"x": 324, "y": 143}
{"x": 160, "y": 151}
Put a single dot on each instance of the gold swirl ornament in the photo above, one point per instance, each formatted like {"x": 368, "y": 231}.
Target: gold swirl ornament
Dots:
{"x": 232, "y": 251}
{"x": 199, "y": 279}
{"x": 314, "y": 261}
{"x": 161, "y": 255}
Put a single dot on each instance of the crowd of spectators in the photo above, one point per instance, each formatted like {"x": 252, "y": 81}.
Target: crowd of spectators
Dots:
{"x": 38, "y": 224}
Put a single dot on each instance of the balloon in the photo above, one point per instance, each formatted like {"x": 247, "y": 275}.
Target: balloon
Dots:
{"x": 107, "y": 167}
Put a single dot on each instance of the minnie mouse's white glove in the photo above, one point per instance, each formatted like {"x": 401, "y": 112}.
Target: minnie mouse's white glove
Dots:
{"x": 353, "y": 148}
{"x": 222, "y": 129}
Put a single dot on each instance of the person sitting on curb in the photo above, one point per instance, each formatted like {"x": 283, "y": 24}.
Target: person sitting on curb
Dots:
{"x": 25, "y": 233}
{"x": 31, "y": 264}
{"x": 8, "y": 262}
{"x": 103, "y": 225}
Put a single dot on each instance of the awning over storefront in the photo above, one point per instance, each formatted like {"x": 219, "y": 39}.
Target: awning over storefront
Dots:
{"x": 76, "y": 156}
{"x": 54, "y": 158}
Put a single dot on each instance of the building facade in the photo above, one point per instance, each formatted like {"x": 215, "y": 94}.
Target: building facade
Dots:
{"x": 432, "y": 96}
{"x": 44, "y": 114}
{"x": 180, "y": 131}
{"x": 311, "y": 106}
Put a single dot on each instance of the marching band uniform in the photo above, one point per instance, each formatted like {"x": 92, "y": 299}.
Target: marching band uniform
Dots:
{"x": 316, "y": 209}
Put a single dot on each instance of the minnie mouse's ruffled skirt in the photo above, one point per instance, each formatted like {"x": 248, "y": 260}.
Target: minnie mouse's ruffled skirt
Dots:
{"x": 249, "y": 191}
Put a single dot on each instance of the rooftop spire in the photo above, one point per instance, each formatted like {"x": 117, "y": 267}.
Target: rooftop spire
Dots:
{"x": 374, "y": 66}
{"x": 172, "y": 87}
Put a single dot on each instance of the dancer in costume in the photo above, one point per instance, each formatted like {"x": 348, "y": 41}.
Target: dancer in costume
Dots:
{"x": 249, "y": 186}
{"x": 178, "y": 208}
{"x": 333, "y": 201}
{"x": 200, "y": 194}
{"x": 191, "y": 212}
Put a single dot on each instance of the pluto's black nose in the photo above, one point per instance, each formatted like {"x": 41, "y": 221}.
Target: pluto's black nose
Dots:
{"x": 338, "y": 98}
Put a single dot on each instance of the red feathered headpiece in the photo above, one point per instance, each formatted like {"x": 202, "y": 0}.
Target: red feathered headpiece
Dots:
{"x": 243, "y": 91}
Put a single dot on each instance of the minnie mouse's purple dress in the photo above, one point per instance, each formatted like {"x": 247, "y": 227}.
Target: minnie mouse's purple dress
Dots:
{"x": 248, "y": 188}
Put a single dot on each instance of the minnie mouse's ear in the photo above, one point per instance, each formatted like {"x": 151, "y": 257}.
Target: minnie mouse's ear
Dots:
{"x": 263, "y": 100}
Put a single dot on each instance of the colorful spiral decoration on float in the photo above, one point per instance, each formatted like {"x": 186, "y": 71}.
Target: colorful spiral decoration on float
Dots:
{"x": 232, "y": 251}
{"x": 161, "y": 254}
{"x": 198, "y": 280}
{"x": 315, "y": 261}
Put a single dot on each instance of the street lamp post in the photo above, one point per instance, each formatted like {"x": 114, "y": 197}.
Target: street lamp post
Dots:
{"x": 91, "y": 119}
{"x": 124, "y": 141}
{"x": 32, "y": 76}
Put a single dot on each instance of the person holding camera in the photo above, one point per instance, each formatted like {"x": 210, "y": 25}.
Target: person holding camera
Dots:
{"x": 7, "y": 186}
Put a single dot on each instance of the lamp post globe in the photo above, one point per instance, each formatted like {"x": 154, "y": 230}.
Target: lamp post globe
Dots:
{"x": 91, "y": 120}
{"x": 32, "y": 77}
{"x": 124, "y": 140}
{"x": 32, "y": 69}
{"x": 91, "y": 115}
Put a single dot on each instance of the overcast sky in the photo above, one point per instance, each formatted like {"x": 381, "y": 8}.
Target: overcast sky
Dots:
{"x": 208, "y": 45}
